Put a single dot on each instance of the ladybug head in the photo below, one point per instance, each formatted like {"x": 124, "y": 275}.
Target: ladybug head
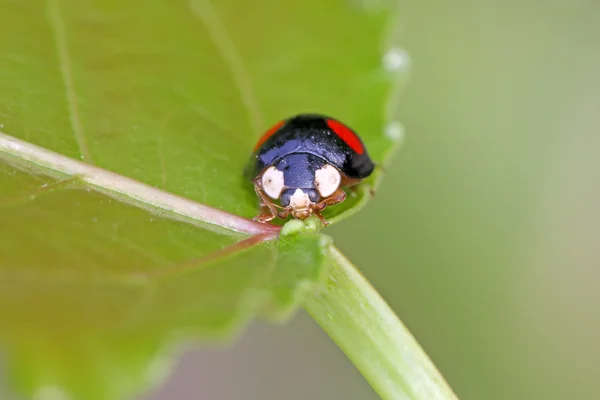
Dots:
{"x": 300, "y": 201}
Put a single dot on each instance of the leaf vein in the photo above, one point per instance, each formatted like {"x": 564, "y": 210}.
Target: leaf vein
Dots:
{"x": 57, "y": 27}
{"x": 28, "y": 155}
{"x": 32, "y": 195}
{"x": 217, "y": 32}
{"x": 161, "y": 158}
{"x": 201, "y": 262}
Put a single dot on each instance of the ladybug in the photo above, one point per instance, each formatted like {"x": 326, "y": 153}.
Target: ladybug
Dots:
{"x": 303, "y": 162}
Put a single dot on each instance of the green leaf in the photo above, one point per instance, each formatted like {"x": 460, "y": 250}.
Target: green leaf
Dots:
{"x": 368, "y": 331}
{"x": 101, "y": 283}
{"x": 175, "y": 93}
{"x": 125, "y": 127}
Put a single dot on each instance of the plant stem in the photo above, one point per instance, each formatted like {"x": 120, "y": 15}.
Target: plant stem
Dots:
{"x": 356, "y": 317}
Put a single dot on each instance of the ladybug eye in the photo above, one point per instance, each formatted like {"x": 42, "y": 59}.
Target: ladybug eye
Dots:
{"x": 286, "y": 198}
{"x": 313, "y": 195}
{"x": 272, "y": 182}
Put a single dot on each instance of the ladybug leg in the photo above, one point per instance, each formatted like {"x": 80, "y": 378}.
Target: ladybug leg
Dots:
{"x": 337, "y": 197}
{"x": 264, "y": 200}
{"x": 264, "y": 217}
{"x": 268, "y": 208}
{"x": 318, "y": 214}
{"x": 283, "y": 214}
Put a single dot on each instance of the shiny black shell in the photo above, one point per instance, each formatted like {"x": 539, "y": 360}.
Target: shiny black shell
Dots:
{"x": 318, "y": 135}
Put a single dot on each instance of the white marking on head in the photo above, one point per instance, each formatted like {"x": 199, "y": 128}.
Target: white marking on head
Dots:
{"x": 299, "y": 199}
{"x": 272, "y": 182}
{"x": 300, "y": 204}
{"x": 327, "y": 180}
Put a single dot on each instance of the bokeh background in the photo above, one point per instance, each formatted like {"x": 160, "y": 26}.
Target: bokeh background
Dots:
{"x": 485, "y": 236}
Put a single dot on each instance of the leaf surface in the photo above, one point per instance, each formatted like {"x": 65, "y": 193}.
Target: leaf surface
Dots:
{"x": 125, "y": 130}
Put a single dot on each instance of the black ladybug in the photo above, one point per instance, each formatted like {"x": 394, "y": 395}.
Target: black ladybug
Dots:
{"x": 304, "y": 161}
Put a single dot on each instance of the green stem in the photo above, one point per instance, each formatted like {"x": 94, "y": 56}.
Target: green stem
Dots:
{"x": 356, "y": 317}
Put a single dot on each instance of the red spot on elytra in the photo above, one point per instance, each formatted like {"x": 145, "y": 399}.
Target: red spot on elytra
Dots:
{"x": 346, "y": 135}
{"x": 268, "y": 134}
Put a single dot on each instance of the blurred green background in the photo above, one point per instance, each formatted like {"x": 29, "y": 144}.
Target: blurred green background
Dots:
{"x": 485, "y": 234}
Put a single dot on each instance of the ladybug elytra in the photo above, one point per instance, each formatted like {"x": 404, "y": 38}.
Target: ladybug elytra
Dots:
{"x": 303, "y": 162}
